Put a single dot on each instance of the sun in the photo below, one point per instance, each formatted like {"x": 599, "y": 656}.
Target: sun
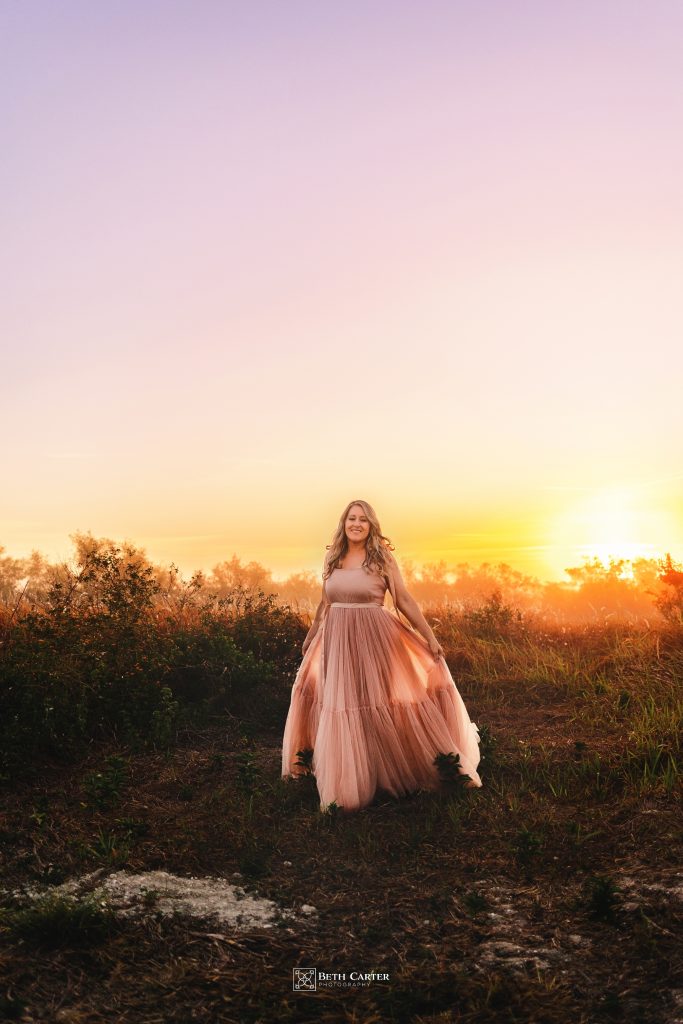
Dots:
{"x": 611, "y": 529}
{"x": 610, "y": 524}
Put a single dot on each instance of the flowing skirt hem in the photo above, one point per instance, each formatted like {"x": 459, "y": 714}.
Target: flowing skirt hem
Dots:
{"x": 391, "y": 747}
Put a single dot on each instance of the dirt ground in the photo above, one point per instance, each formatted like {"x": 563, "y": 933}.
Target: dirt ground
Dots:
{"x": 224, "y": 893}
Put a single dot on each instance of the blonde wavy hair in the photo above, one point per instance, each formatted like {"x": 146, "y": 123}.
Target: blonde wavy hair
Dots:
{"x": 377, "y": 546}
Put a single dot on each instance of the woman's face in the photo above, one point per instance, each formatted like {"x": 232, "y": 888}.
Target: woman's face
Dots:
{"x": 357, "y": 525}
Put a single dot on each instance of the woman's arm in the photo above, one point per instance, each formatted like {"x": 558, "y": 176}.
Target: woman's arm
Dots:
{"x": 315, "y": 624}
{"x": 409, "y": 606}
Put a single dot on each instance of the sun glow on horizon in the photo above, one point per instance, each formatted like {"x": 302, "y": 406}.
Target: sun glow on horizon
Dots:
{"x": 613, "y": 524}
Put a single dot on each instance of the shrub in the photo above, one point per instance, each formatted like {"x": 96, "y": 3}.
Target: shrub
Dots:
{"x": 99, "y": 659}
{"x": 670, "y": 603}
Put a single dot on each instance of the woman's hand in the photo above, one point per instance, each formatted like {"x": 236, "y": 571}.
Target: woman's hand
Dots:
{"x": 436, "y": 648}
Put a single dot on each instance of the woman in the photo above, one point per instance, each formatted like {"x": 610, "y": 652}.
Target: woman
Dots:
{"x": 373, "y": 698}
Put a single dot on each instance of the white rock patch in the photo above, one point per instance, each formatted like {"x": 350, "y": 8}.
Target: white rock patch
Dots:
{"x": 675, "y": 891}
{"x": 516, "y": 942}
{"x": 159, "y": 891}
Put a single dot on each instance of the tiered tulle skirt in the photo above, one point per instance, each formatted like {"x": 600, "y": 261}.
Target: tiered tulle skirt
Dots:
{"x": 375, "y": 707}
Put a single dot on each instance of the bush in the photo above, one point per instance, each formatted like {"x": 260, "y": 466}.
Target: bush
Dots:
{"x": 670, "y": 603}
{"x": 101, "y": 659}
{"x": 494, "y": 619}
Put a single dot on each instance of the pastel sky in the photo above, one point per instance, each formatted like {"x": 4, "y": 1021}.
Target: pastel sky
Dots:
{"x": 261, "y": 258}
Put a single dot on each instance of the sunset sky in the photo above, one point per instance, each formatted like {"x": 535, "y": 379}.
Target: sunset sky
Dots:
{"x": 261, "y": 258}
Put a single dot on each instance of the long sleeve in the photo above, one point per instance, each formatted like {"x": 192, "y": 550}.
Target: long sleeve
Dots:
{"x": 407, "y": 604}
{"x": 315, "y": 625}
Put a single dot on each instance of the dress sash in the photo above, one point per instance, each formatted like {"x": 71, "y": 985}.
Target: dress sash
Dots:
{"x": 354, "y": 604}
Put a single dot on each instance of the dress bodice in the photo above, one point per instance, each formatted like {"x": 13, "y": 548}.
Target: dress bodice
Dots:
{"x": 357, "y": 585}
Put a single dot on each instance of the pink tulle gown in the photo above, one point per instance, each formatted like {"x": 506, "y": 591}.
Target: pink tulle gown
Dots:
{"x": 372, "y": 703}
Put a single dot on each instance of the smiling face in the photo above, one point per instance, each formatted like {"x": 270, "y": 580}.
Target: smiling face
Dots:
{"x": 357, "y": 525}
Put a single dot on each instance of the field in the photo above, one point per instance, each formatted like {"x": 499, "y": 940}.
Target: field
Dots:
{"x": 145, "y": 739}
